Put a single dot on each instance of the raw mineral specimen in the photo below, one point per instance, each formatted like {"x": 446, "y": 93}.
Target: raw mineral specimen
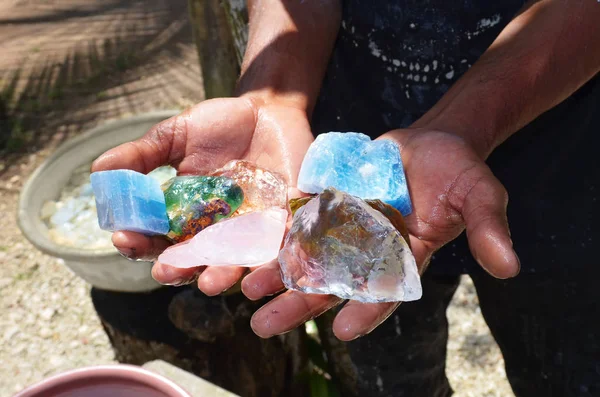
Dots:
{"x": 196, "y": 202}
{"x": 338, "y": 244}
{"x": 247, "y": 240}
{"x": 296, "y": 203}
{"x": 263, "y": 189}
{"x": 129, "y": 200}
{"x": 393, "y": 215}
{"x": 353, "y": 163}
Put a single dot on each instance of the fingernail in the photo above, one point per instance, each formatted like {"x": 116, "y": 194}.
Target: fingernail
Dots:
{"x": 175, "y": 283}
{"x": 276, "y": 292}
{"x": 178, "y": 282}
{"x": 356, "y": 337}
{"x": 519, "y": 263}
{"x": 226, "y": 289}
{"x": 126, "y": 252}
{"x": 253, "y": 325}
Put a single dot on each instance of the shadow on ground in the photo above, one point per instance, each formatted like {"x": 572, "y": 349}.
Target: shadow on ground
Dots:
{"x": 37, "y": 98}
{"x": 477, "y": 347}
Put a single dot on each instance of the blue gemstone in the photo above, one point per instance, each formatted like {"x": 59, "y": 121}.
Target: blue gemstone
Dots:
{"x": 353, "y": 163}
{"x": 128, "y": 200}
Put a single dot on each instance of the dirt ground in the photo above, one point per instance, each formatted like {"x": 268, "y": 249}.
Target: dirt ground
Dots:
{"x": 69, "y": 65}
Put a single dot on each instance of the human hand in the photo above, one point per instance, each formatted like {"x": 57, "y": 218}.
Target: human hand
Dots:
{"x": 274, "y": 136}
{"x": 451, "y": 187}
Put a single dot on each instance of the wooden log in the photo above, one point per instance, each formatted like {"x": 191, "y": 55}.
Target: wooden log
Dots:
{"x": 220, "y": 32}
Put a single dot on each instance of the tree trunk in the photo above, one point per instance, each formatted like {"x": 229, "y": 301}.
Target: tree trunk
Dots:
{"x": 220, "y": 31}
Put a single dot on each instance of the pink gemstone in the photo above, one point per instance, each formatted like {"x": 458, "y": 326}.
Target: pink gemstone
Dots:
{"x": 247, "y": 240}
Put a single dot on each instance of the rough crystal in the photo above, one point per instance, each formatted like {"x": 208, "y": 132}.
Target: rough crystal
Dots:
{"x": 263, "y": 189}
{"x": 297, "y": 203}
{"x": 352, "y": 162}
{"x": 196, "y": 202}
{"x": 338, "y": 244}
{"x": 393, "y": 215}
{"x": 129, "y": 200}
{"x": 247, "y": 240}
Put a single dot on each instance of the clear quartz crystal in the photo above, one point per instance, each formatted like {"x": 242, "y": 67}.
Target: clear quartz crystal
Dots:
{"x": 338, "y": 244}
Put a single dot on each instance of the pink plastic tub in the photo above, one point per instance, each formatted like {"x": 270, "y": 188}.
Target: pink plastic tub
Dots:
{"x": 105, "y": 381}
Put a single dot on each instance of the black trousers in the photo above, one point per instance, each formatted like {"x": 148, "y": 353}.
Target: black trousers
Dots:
{"x": 546, "y": 320}
{"x": 546, "y": 326}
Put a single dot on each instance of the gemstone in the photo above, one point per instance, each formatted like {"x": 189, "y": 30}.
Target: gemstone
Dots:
{"x": 353, "y": 163}
{"x": 129, "y": 200}
{"x": 250, "y": 239}
{"x": 262, "y": 188}
{"x": 393, "y": 215}
{"x": 296, "y": 203}
{"x": 339, "y": 244}
{"x": 196, "y": 202}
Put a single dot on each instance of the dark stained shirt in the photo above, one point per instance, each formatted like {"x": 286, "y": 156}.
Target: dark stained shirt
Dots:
{"x": 393, "y": 60}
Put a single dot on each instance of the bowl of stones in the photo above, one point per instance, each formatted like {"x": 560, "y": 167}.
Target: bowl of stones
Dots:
{"x": 57, "y": 212}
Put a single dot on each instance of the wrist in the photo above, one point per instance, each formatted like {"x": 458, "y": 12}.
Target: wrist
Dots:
{"x": 468, "y": 111}
{"x": 477, "y": 134}
{"x": 267, "y": 96}
{"x": 289, "y": 45}
{"x": 291, "y": 118}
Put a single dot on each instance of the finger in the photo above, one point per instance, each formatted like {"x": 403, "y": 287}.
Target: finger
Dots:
{"x": 294, "y": 192}
{"x": 200, "y": 139}
{"x": 484, "y": 212}
{"x": 263, "y": 281}
{"x": 290, "y": 310}
{"x": 422, "y": 253}
{"x": 215, "y": 280}
{"x": 169, "y": 275}
{"x": 162, "y": 144}
{"x": 137, "y": 246}
{"x": 357, "y": 319}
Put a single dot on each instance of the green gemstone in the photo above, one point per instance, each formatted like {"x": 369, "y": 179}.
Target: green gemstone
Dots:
{"x": 196, "y": 202}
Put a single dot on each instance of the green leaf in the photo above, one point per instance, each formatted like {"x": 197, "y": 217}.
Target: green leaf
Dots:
{"x": 318, "y": 386}
{"x": 315, "y": 353}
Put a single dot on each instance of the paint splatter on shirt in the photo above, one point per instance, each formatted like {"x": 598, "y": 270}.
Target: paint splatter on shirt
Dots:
{"x": 393, "y": 60}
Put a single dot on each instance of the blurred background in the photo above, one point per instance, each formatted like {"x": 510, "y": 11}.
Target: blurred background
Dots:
{"x": 67, "y": 67}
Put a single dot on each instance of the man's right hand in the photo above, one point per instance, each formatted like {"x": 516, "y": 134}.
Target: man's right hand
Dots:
{"x": 289, "y": 45}
{"x": 202, "y": 139}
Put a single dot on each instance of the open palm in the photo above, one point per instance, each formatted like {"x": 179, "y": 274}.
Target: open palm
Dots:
{"x": 451, "y": 188}
{"x": 198, "y": 141}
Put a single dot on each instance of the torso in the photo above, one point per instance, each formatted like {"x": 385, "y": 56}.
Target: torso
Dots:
{"x": 393, "y": 60}
{"x": 551, "y": 176}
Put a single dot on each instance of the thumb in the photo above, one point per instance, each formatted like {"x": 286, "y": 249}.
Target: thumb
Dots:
{"x": 483, "y": 207}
